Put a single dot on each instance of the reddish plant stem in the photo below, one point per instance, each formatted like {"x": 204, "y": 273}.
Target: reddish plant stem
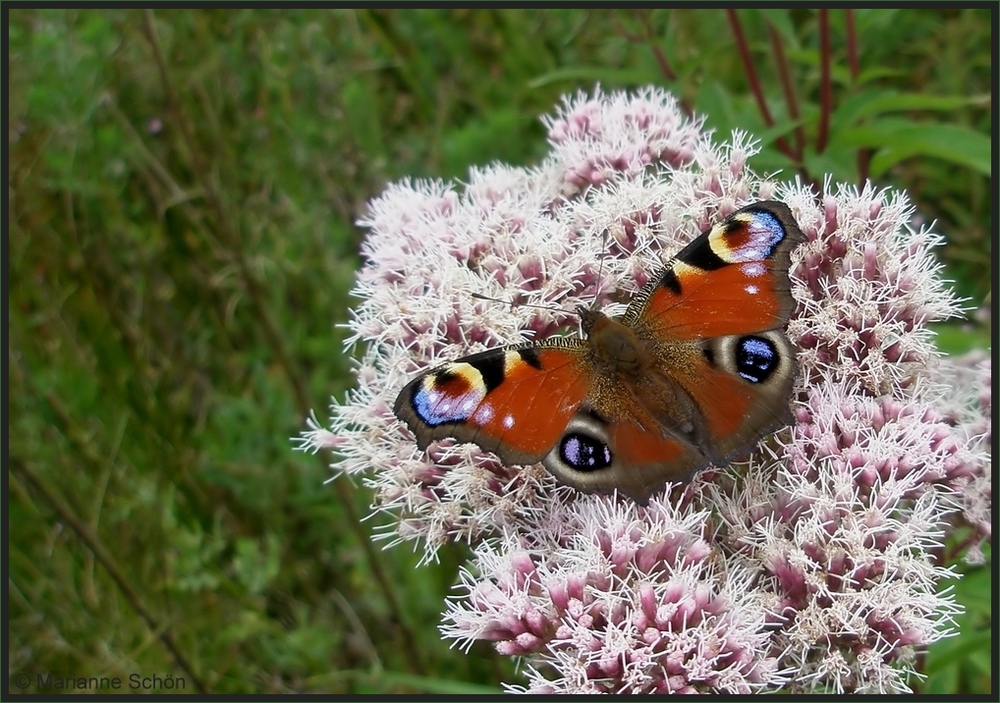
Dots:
{"x": 661, "y": 58}
{"x": 950, "y": 555}
{"x": 647, "y": 38}
{"x": 668, "y": 73}
{"x": 755, "y": 87}
{"x": 852, "y": 43}
{"x": 826, "y": 91}
{"x": 785, "y": 75}
{"x": 864, "y": 155}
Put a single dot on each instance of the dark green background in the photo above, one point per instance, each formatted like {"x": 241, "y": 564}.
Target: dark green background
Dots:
{"x": 182, "y": 189}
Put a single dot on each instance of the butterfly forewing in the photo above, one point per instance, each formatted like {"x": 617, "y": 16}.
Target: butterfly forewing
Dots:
{"x": 514, "y": 401}
{"x": 733, "y": 279}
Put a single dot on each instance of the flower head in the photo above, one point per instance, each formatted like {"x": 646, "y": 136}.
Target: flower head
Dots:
{"x": 808, "y": 565}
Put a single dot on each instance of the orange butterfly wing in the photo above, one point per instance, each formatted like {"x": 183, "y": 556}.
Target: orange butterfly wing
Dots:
{"x": 728, "y": 291}
{"x": 731, "y": 280}
{"x": 514, "y": 401}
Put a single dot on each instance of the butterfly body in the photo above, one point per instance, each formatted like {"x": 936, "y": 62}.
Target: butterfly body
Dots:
{"x": 695, "y": 373}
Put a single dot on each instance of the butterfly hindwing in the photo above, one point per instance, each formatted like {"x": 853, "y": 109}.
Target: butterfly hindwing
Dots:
{"x": 740, "y": 385}
{"x": 594, "y": 454}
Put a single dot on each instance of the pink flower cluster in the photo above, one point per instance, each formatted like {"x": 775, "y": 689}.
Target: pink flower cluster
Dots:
{"x": 618, "y": 599}
{"x": 598, "y": 141}
{"x": 845, "y": 531}
{"x": 810, "y": 566}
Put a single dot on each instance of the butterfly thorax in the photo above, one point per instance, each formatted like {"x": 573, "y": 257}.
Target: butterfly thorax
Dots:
{"x": 630, "y": 387}
{"x": 614, "y": 345}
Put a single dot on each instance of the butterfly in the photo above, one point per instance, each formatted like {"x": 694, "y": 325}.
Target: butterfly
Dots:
{"x": 695, "y": 373}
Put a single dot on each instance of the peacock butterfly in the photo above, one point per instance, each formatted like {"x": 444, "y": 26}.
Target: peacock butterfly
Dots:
{"x": 695, "y": 373}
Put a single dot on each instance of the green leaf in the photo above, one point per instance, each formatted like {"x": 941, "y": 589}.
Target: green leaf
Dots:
{"x": 974, "y": 589}
{"x": 782, "y": 21}
{"x": 715, "y": 102}
{"x": 772, "y": 162}
{"x": 500, "y": 135}
{"x": 840, "y": 164}
{"x": 981, "y": 659}
{"x": 853, "y": 108}
{"x": 898, "y": 102}
{"x": 361, "y": 107}
{"x": 952, "y": 652}
{"x": 941, "y": 682}
{"x": 897, "y": 140}
{"x": 255, "y": 567}
{"x": 785, "y": 127}
{"x": 876, "y": 102}
{"x": 958, "y": 339}
{"x": 441, "y": 686}
{"x": 869, "y": 75}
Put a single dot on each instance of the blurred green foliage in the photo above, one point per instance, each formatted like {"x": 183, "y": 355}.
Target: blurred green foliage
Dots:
{"x": 182, "y": 191}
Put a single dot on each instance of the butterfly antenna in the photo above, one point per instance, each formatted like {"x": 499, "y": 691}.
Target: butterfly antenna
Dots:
{"x": 555, "y": 308}
{"x": 600, "y": 269}
{"x": 517, "y": 304}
